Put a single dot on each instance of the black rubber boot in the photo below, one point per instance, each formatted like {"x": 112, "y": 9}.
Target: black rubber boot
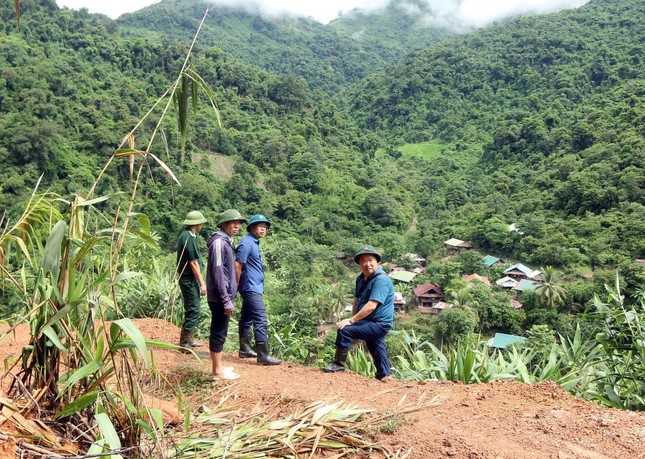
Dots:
{"x": 184, "y": 339}
{"x": 339, "y": 361}
{"x": 262, "y": 347}
{"x": 191, "y": 339}
{"x": 246, "y": 350}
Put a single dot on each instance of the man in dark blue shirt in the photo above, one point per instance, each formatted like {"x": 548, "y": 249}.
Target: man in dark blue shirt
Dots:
{"x": 250, "y": 274}
{"x": 372, "y": 315}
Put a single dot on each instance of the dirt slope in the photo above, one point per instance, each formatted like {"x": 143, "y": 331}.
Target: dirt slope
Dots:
{"x": 498, "y": 420}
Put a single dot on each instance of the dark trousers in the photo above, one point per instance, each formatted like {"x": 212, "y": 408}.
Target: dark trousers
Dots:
{"x": 192, "y": 309}
{"x": 373, "y": 333}
{"x": 219, "y": 327}
{"x": 254, "y": 314}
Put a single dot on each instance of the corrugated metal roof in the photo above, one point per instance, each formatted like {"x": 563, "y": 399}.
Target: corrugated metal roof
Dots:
{"x": 458, "y": 243}
{"x": 506, "y": 282}
{"x": 403, "y": 276}
{"x": 526, "y": 285}
{"x": 477, "y": 277}
{"x": 501, "y": 340}
{"x": 422, "y": 289}
{"x": 519, "y": 267}
{"x": 490, "y": 260}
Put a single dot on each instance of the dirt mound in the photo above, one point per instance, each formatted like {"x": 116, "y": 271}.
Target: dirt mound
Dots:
{"x": 496, "y": 420}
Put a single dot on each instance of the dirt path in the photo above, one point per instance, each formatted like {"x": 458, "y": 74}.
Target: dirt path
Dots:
{"x": 497, "y": 420}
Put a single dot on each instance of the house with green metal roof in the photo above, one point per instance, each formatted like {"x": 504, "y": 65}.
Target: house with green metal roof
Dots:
{"x": 526, "y": 285}
{"x": 403, "y": 276}
{"x": 502, "y": 340}
{"x": 490, "y": 260}
{"x": 519, "y": 271}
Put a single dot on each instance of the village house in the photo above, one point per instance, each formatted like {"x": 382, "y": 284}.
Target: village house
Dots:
{"x": 525, "y": 285}
{"x": 420, "y": 261}
{"x": 490, "y": 260}
{"x": 425, "y": 295}
{"x": 455, "y": 246}
{"x": 503, "y": 340}
{"x": 399, "y": 302}
{"x": 436, "y": 308}
{"x": 518, "y": 272}
{"x": 389, "y": 266}
{"x": 506, "y": 283}
{"x": 402, "y": 276}
{"x": 473, "y": 278}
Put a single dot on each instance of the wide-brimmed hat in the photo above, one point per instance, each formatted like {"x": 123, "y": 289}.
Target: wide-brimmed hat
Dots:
{"x": 194, "y": 217}
{"x": 258, "y": 218}
{"x": 367, "y": 250}
{"x": 230, "y": 215}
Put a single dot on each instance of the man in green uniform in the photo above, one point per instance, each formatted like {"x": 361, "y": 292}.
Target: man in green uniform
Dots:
{"x": 191, "y": 281}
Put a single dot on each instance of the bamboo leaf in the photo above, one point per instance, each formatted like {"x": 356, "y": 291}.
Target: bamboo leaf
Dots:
{"x": 279, "y": 425}
{"x": 135, "y": 335}
{"x": 165, "y": 167}
{"x": 124, "y": 276}
{"x": 83, "y": 372}
{"x": 87, "y": 246}
{"x": 323, "y": 411}
{"x": 53, "y": 250}
{"x": 108, "y": 432}
{"x": 157, "y": 415}
{"x": 208, "y": 91}
{"x": 142, "y": 220}
{"x": 100, "y": 347}
{"x": 53, "y": 337}
{"x": 145, "y": 237}
{"x": 23, "y": 247}
{"x": 78, "y": 404}
{"x": 91, "y": 202}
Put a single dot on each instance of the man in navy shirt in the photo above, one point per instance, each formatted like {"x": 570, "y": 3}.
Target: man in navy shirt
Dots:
{"x": 250, "y": 275}
{"x": 372, "y": 315}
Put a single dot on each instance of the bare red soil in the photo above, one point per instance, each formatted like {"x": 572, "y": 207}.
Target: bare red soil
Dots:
{"x": 506, "y": 420}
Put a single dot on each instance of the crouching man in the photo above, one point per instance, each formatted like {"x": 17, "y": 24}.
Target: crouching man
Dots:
{"x": 372, "y": 315}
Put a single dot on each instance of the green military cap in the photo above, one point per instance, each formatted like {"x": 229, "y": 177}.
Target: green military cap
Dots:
{"x": 230, "y": 215}
{"x": 194, "y": 217}
{"x": 367, "y": 249}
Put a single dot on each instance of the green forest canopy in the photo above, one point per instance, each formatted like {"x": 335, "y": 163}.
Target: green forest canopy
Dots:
{"x": 539, "y": 123}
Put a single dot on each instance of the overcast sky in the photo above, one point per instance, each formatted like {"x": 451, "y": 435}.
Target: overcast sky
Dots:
{"x": 463, "y": 13}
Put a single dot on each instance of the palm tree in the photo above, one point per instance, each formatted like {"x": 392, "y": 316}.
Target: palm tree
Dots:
{"x": 463, "y": 299}
{"x": 551, "y": 293}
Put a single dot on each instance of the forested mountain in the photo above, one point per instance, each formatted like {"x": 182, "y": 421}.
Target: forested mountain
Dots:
{"x": 395, "y": 30}
{"x": 327, "y": 57}
{"x": 537, "y": 122}
{"x": 72, "y": 88}
{"x": 551, "y": 109}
